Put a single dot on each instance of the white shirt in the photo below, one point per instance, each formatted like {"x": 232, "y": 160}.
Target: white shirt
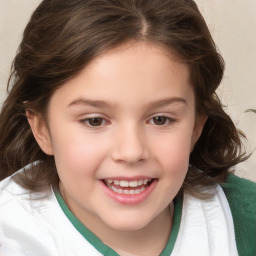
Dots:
{"x": 31, "y": 227}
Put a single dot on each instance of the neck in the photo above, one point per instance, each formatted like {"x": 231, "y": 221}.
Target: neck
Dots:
{"x": 149, "y": 241}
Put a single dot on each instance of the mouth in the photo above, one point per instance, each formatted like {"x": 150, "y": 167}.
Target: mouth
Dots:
{"x": 125, "y": 187}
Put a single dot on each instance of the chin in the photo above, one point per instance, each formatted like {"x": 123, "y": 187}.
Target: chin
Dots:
{"x": 128, "y": 223}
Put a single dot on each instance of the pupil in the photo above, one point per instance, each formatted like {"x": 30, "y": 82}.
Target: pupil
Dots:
{"x": 159, "y": 120}
{"x": 95, "y": 121}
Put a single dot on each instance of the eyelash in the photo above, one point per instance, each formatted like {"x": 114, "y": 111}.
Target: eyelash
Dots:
{"x": 86, "y": 122}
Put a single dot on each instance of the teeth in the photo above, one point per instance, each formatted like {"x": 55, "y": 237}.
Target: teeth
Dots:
{"x": 133, "y": 184}
{"x": 140, "y": 190}
{"x": 140, "y": 182}
{"x": 115, "y": 189}
{"x": 126, "y": 184}
{"x": 132, "y": 191}
{"x": 126, "y": 191}
{"x": 145, "y": 181}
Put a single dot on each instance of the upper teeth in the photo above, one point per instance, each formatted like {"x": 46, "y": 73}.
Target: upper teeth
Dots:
{"x": 126, "y": 183}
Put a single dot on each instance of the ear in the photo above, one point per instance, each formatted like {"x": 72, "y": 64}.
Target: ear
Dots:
{"x": 40, "y": 131}
{"x": 198, "y": 128}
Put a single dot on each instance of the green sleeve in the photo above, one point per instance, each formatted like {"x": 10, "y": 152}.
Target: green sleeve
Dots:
{"x": 241, "y": 195}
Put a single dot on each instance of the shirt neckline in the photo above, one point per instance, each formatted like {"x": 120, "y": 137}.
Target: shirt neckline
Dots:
{"x": 106, "y": 250}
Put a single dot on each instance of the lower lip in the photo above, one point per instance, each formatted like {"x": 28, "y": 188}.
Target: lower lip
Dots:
{"x": 130, "y": 199}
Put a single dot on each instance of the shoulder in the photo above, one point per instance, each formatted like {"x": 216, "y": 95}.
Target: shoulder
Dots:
{"x": 9, "y": 189}
{"x": 15, "y": 199}
{"x": 241, "y": 196}
{"x": 12, "y": 193}
{"x": 23, "y": 221}
{"x": 34, "y": 222}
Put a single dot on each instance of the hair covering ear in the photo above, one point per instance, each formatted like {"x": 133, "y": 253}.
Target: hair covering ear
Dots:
{"x": 198, "y": 128}
{"x": 40, "y": 131}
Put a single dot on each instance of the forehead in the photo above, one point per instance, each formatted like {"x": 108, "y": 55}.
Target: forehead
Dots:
{"x": 131, "y": 54}
{"x": 130, "y": 72}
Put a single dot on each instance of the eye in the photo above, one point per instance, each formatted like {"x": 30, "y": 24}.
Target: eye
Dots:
{"x": 161, "y": 120}
{"x": 94, "y": 121}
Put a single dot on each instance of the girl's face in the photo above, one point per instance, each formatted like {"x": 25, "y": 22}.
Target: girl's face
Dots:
{"x": 121, "y": 133}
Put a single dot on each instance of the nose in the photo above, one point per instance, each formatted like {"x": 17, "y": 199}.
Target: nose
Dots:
{"x": 130, "y": 145}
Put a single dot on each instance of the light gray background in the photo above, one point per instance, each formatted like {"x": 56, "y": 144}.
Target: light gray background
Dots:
{"x": 233, "y": 26}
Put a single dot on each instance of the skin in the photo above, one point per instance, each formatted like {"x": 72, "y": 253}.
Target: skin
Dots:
{"x": 126, "y": 88}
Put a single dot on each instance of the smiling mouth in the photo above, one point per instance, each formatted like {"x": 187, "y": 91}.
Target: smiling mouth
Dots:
{"x": 125, "y": 187}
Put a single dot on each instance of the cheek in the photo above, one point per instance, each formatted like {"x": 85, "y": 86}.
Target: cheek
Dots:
{"x": 175, "y": 165}
{"x": 76, "y": 155}
{"x": 173, "y": 156}
{"x": 174, "y": 150}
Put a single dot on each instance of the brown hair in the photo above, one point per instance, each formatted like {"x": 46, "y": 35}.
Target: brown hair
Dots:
{"x": 63, "y": 36}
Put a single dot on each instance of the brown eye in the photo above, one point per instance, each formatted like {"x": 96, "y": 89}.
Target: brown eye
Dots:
{"x": 159, "y": 120}
{"x": 95, "y": 121}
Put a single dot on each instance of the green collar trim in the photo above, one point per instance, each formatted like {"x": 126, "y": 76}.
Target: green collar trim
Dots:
{"x": 104, "y": 249}
{"x": 175, "y": 226}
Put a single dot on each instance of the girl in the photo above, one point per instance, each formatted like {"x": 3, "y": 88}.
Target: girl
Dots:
{"x": 121, "y": 143}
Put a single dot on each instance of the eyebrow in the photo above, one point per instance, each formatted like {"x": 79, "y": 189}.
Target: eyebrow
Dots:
{"x": 168, "y": 101}
{"x": 91, "y": 103}
{"x": 104, "y": 104}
